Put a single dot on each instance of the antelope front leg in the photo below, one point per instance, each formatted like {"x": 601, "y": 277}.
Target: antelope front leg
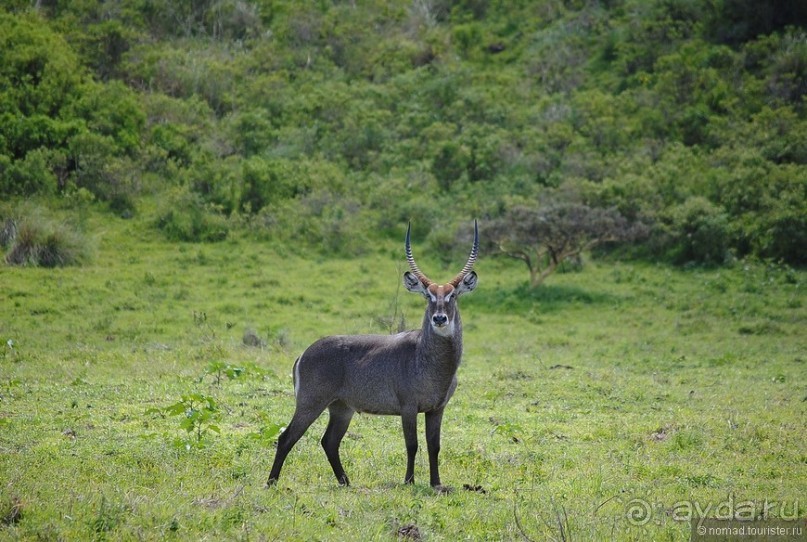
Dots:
{"x": 410, "y": 431}
{"x": 434, "y": 421}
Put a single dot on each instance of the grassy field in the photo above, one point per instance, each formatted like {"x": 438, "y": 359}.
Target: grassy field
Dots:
{"x": 612, "y": 403}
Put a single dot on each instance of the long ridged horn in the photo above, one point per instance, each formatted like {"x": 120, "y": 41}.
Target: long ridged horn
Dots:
{"x": 471, "y": 259}
{"x": 426, "y": 281}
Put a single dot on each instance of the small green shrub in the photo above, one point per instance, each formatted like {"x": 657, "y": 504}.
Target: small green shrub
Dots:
{"x": 185, "y": 217}
{"x": 217, "y": 369}
{"x": 198, "y": 416}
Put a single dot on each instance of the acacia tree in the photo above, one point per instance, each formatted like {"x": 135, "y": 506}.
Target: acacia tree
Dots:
{"x": 543, "y": 237}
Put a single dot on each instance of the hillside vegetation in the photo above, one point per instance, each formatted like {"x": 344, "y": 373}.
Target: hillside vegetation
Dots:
{"x": 328, "y": 124}
{"x": 193, "y": 192}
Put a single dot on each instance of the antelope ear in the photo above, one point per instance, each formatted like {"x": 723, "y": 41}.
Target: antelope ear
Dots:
{"x": 467, "y": 284}
{"x": 413, "y": 284}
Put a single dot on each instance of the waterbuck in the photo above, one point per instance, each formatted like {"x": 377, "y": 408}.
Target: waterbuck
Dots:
{"x": 404, "y": 374}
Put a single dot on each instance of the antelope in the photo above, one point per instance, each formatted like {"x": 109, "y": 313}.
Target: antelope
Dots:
{"x": 402, "y": 375}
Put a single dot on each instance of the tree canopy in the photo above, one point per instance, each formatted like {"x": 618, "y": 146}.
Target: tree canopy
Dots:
{"x": 547, "y": 235}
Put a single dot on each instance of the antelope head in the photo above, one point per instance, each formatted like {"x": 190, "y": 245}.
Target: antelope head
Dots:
{"x": 441, "y": 310}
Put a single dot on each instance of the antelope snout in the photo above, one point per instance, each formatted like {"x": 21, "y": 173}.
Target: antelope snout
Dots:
{"x": 439, "y": 320}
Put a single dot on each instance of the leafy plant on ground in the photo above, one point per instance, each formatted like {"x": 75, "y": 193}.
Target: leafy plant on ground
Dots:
{"x": 511, "y": 431}
{"x": 107, "y": 518}
{"x": 217, "y": 369}
{"x": 199, "y": 415}
{"x": 268, "y": 433}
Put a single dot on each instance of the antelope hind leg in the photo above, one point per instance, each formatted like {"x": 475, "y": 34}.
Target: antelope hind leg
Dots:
{"x": 340, "y": 416}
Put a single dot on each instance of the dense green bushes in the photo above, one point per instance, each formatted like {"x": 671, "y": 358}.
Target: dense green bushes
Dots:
{"x": 335, "y": 123}
{"x": 61, "y": 130}
{"x": 184, "y": 216}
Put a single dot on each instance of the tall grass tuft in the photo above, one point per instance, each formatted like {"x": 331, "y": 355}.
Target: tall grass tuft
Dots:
{"x": 40, "y": 241}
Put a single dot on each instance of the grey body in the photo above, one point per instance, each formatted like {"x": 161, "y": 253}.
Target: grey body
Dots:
{"x": 381, "y": 374}
{"x": 405, "y": 374}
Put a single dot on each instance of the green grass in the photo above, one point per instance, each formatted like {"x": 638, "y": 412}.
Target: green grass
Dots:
{"x": 621, "y": 386}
